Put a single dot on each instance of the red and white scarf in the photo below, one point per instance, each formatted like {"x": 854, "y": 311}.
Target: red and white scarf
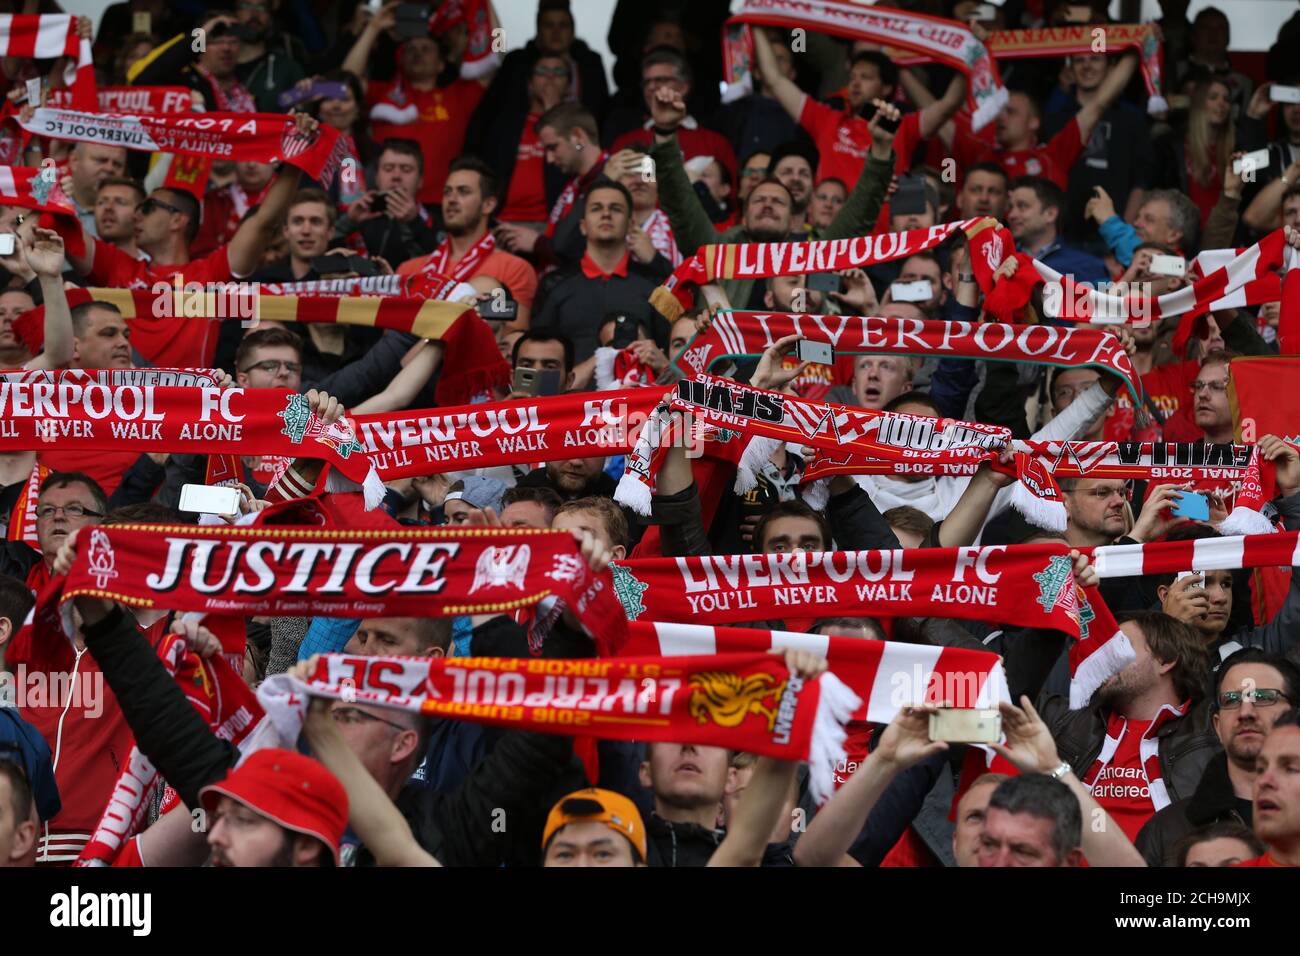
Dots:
{"x": 764, "y": 260}
{"x": 33, "y": 188}
{"x": 146, "y": 100}
{"x": 1202, "y": 554}
{"x": 232, "y": 99}
{"x": 934, "y": 39}
{"x": 1148, "y": 752}
{"x": 748, "y": 702}
{"x": 773, "y": 418}
{"x": 660, "y": 230}
{"x": 569, "y": 195}
{"x": 480, "y": 57}
{"x": 439, "y": 261}
{"x": 48, "y": 37}
{"x": 114, "y": 377}
{"x": 259, "y": 137}
{"x": 191, "y": 420}
{"x": 22, "y": 519}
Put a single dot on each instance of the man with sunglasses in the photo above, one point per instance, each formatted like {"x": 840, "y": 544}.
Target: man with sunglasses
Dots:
{"x": 1254, "y": 689}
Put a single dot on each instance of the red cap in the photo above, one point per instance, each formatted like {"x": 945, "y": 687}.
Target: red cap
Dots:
{"x": 295, "y": 791}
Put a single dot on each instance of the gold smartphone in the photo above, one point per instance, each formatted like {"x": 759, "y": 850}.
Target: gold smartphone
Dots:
{"x": 966, "y": 725}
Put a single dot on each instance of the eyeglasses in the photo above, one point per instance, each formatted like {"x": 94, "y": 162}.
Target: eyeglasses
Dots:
{"x": 355, "y": 715}
{"x": 152, "y": 203}
{"x": 270, "y": 366}
{"x": 1260, "y": 697}
{"x": 1067, "y": 393}
{"x": 754, "y": 171}
{"x": 550, "y": 71}
{"x": 1103, "y": 493}
{"x": 1219, "y": 386}
{"x": 69, "y": 511}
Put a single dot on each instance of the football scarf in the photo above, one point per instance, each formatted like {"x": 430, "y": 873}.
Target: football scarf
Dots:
{"x": 22, "y": 518}
{"x": 479, "y": 19}
{"x": 764, "y": 260}
{"x": 569, "y": 194}
{"x": 147, "y": 100}
{"x": 1162, "y": 462}
{"x": 748, "y": 334}
{"x": 48, "y": 37}
{"x": 1259, "y": 407}
{"x": 773, "y": 418}
{"x": 471, "y": 365}
{"x": 621, "y": 368}
{"x": 1203, "y": 554}
{"x": 255, "y": 137}
{"x": 439, "y": 261}
{"x": 554, "y": 428}
{"x": 1148, "y": 753}
{"x": 218, "y": 692}
{"x": 113, "y": 377}
{"x": 33, "y": 188}
{"x": 932, "y": 39}
{"x": 749, "y": 702}
{"x": 1079, "y": 38}
{"x": 186, "y": 420}
{"x": 376, "y": 571}
{"x": 394, "y": 285}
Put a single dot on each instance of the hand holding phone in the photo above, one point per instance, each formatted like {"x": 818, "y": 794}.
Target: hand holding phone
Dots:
{"x": 210, "y": 500}
{"x": 919, "y": 290}
{"x": 819, "y": 353}
{"x": 966, "y": 725}
{"x": 1192, "y": 506}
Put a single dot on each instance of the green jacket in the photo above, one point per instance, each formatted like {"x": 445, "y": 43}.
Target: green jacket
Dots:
{"x": 693, "y": 229}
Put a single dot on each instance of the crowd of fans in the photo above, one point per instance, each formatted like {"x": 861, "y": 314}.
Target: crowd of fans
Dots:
{"x": 573, "y": 201}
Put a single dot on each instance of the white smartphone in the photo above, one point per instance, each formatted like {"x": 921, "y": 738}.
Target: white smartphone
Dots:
{"x": 1199, "y": 575}
{"x": 819, "y": 353}
{"x": 966, "y": 726}
{"x": 7, "y": 243}
{"x": 1256, "y": 160}
{"x": 1168, "y": 265}
{"x": 918, "y": 291}
{"x": 1284, "y": 94}
{"x": 209, "y": 499}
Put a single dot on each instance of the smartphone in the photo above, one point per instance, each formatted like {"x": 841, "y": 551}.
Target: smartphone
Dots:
{"x": 7, "y": 243}
{"x": 624, "y": 331}
{"x": 918, "y": 291}
{"x": 910, "y": 197}
{"x": 1199, "y": 575}
{"x": 824, "y": 282}
{"x": 379, "y": 202}
{"x": 1256, "y": 160}
{"x": 1078, "y": 13}
{"x": 966, "y": 726}
{"x": 888, "y": 125}
{"x": 412, "y": 20}
{"x": 985, "y": 13}
{"x": 1191, "y": 505}
{"x": 498, "y": 309}
{"x": 209, "y": 499}
{"x": 819, "y": 353}
{"x": 141, "y": 22}
{"x": 1168, "y": 266}
{"x": 1284, "y": 94}
{"x": 536, "y": 381}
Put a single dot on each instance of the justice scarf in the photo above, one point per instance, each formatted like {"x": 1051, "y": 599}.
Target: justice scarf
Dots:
{"x": 472, "y": 363}
{"x": 252, "y": 137}
{"x": 773, "y": 418}
{"x": 48, "y": 37}
{"x": 372, "y": 571}
{"x": 748, "y": 702}
{"x": 763, "y": 260}
{"x": 174, "y": 419}
{"x": 1162, "y": 462}
{"x": 1079, "y": 39}
{"x": 932, "y": 39}
{"x": 748, "y": 334}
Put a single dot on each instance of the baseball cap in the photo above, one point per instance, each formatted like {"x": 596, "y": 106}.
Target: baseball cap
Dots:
{"x": 22, "y": 744}
{"x": 594, "y": 805}
{"x": 293, "y": 790}
{"x": 478, "y": 491}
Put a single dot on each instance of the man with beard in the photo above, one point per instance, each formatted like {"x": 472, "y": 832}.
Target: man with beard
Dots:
{"x": 792, "y": 165}
{"x": 469, "y": 199}
{"x": 270, "y": 59}
{"x": 572, "y": 478}
{"x": 1145, "y": 738}
{"x": 1254, "y": 689}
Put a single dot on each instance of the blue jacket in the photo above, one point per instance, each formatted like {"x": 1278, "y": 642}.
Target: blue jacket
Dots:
{"x": 1121, "y": 239}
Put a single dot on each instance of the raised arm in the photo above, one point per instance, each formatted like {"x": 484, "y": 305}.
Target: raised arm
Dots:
{"x": 355, "y": 61}
{"x": 45, "y": 257}
{"x": 401, "y": 391}
{"x": 782, "y": 88}
{"x": 1117, "y": 78}
{"x": 255, "y": 233}
{"x": 945, "y": 108}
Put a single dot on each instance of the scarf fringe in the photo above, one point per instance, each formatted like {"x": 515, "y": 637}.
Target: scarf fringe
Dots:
{"x": 605, "y": 356}
{"x": 666, "y": 304}
{"x": 756, "y": 454}
{"x": 817, "y": 494}
{"x": 989, "y": 109}
{"x": 1099, "y": 666}
{"x": 1245, "y": 521}
{"x": 388, "y": 113}
{"x": 836, "y": 703}
{"x": 1049, "y": 515}
{"x": 633, "y": 493}
{"x": 1157, "y": 104}
{"x": 373, "y": 487}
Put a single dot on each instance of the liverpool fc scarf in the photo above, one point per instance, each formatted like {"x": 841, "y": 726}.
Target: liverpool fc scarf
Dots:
{"x": 255, "y": 137}
{"x": 763, "y": 260}
{"x": 113, "y": 377}
{"x": 380, "y": 571}
{"x": 749, "y": 702}
{"x": 173, "y": 419}
{"x": 933, "y": 39}
{"x": 772, "y": 418}
{"x": 1081, "y": 38}
{"x": 48, "y": 37}
{"x": 33, "y": 188}
{"x": 142, "y": 100}
{"x": 749, "y": 334}
{"x": 1105, "y": 789}
{"x": 534, "y": 430}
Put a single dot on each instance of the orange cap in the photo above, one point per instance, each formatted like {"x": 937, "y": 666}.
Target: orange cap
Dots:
{"x": 594, "y": 805}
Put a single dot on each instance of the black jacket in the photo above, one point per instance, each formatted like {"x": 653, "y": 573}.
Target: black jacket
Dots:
{"x": 576, "y": 305}
{"x": 455, "y": 827}
{"x": 679, "y": 844}
{"x": 1213, "y": 801}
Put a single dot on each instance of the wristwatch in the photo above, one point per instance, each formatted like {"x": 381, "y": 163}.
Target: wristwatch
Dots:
{"x": 967, "y": 277}
{"x": 1060, "y": 771}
